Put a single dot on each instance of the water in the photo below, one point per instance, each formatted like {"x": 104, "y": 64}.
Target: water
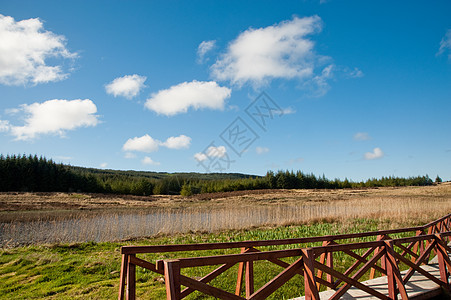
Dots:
{"x": 112, "y": 225}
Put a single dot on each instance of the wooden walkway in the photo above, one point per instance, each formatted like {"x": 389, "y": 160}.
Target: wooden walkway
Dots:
{"x": 419, "y": 287}
{"x": 382, "y": 254}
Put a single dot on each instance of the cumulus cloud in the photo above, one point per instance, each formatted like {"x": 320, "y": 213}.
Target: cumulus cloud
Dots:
{"x": 362, "y": 136}
{"x": 127, "y": 86}
{"x": 24, "y": 50}
{"x": 212, "y": 151}
{"x": 104, "y": 165}
{"x": 55, "y": 117}
{"x": 445, "y": 44}
{"x": 279, "y": 51}
{"x": 142, "y": 144}
{"x": 377, "y": 153}
{"x": 219, "y": 151}
{"x": 178, "y": 142}
{"x": 200, "y": 156}
{"x": 196, "y": 94}
{"x": 148, "y": 144}
{"x": 148, "y": 161}
{"x": 203, "y": 49}
{"x": 261, "y": 150}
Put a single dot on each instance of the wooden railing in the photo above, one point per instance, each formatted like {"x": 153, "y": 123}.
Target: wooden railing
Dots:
{"x": 383, "y": 255}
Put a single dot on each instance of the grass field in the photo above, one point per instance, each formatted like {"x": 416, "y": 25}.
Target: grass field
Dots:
{"x": 91, "y": 270}
{"x": 39, "y": 218}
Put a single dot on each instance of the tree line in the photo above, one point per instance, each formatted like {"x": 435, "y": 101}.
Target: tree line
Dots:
{"x": 38, "y": 174}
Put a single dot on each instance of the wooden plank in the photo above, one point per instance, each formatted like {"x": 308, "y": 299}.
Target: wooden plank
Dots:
{"x": 262, "y": 243}
{"x": 236, "y": 258}
{"x": 248, "y": 244}
{"x": 208, "y": 289}
{"x": 417, "y": 268}
{"x": 123, "y": 276}
{"x": 131, "y": 280}
{"x": 145, "y": 264}
{"x": 419, "y": 287}
{"x": 311, "y": 290}
{"x": 172, "y": 280}
{"x": 239, "y": 280}
{"x": 350, "y": 281}
{"x": 356, "y": 277}
{"x": 249, "y": 278}
{"x": 417, "y": 263}
{"x": 393, "y": 273}
{"x": 322, "y": 260}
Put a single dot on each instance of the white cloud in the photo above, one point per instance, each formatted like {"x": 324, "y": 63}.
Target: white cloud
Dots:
{"x": 148, "y": 161}
{"x": 4, "y": 126}
{"x": 377, "y": 153}
{"x": 279, "y": 51}
{"x": 196, "y": 94}
{"x": 200, "y": 156}
{"x": 288, "y": 111}
{"x": 103, "y": 165}
{"x": 143, "y": 144}
{"x": 219, "y": 151}
{"x": 356, "y": 73}
{"x": 127, "y": 86}
{"x": 148, "y": 144}
{"x": 261, "y": 150}
{"x": 55, "y": 117}
{"x": 362, "y": 136}
{"x": 212, "y": 151}
{"x": 445, "y": 44}
{"x": 203, "y": 49}
{"x": 178, "y": 142}
{"x": 318, "y": 85}
{"x": 25, "y": 46}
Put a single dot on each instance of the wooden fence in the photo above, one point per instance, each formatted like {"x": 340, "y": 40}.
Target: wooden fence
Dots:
{"x": 384, "y": 255}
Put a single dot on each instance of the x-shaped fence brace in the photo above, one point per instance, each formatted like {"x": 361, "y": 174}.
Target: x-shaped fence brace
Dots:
{"x": 383, "y": 255}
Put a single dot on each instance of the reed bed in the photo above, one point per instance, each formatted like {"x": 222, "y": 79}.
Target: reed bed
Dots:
{"x": 114, "y": 225}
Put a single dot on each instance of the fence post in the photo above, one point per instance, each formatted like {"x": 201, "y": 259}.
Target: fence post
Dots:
{"x": 311, "y": 291}
{"x": 442, "y": 261}
{"x": 419, "y": 245}
{"x": 122, "y": 279}
{"x": 249, "y": 278}
{"x": 239, "y": 280}
{"x": 394, "y": 277}
{"x": 330, "y": 264}
{"x": 322, "y": 260}
{"x": 373, "y": 270}
{"x": 172, "y": 279}
{"x": 131, "y": 279}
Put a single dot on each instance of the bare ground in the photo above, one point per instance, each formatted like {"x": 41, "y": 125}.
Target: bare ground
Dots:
{"x": 15, "y": 201}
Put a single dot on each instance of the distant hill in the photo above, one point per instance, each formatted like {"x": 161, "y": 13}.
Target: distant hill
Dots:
{"x": 163, "y": 175}
{"x": 38, "y": 174}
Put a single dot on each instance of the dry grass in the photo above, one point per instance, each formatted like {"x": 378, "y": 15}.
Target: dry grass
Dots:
{"x": 123, "y": 218}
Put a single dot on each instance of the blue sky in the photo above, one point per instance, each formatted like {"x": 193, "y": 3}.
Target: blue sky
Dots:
{"x": 358, "y": 89}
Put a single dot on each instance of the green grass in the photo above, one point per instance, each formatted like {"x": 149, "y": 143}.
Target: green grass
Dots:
{"x": 91, "y": 270}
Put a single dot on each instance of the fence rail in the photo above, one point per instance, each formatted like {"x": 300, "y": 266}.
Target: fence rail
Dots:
{"x": 383, "y": 255}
